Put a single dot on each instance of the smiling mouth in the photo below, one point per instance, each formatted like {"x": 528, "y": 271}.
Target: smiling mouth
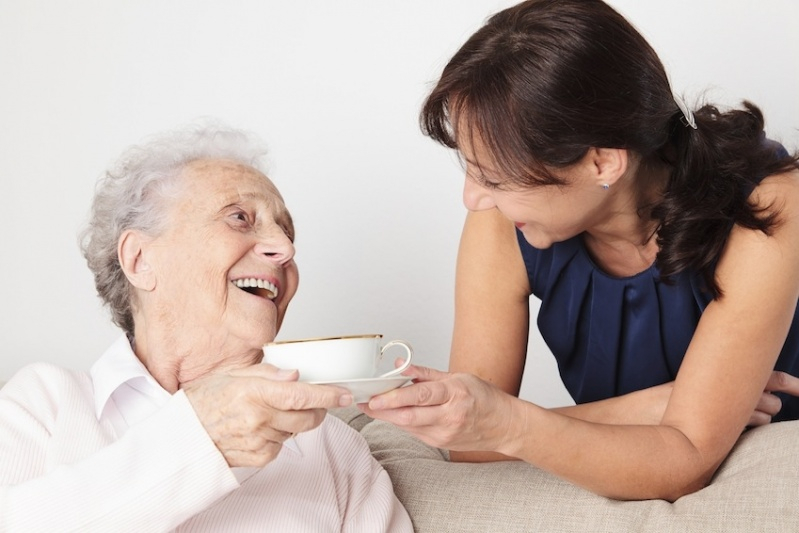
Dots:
{"x": 258, "y": 287}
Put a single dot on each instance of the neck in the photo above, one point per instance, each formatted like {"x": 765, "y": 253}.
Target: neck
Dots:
{"x": 175, "y": 354}
{"x": 623, "y": 241}
{"x": 628, "y": 219}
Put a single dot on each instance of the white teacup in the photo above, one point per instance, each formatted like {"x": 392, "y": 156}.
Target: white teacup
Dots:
{"x": 335, "y": 358}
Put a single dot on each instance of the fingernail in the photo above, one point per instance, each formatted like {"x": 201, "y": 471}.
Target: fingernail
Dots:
{"x": 377, "y": 403}
{"x": 285, "y": 372}
{"x": 344, "y": 400}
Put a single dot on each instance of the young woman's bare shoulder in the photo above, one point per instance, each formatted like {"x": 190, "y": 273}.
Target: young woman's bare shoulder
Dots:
{"x": 778, "y": 192}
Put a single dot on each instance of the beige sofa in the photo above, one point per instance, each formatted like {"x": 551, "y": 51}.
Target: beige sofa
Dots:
{"x": 755, "y": 490}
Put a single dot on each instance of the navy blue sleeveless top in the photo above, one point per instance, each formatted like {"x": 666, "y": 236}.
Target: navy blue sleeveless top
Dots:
{"x": 612, "y": 335}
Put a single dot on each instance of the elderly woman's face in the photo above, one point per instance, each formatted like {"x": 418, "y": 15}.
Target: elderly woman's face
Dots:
{"x": 224, "y": 266}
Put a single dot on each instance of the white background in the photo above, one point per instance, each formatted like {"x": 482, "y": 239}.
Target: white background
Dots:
{"x": 334, "y": 87}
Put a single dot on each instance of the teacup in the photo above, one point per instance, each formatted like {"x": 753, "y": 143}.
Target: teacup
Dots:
{"x": 335, "y": 359}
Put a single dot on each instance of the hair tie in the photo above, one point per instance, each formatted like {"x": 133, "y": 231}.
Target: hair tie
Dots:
{"x": 687, "y": 114}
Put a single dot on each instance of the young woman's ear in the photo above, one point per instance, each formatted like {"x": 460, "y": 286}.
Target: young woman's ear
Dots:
{"x": 131, "y": 253}
{"x": 608, "y": 165}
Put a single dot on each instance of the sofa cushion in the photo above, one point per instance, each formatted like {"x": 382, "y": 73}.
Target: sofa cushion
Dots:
{"x": 756, "y": 489}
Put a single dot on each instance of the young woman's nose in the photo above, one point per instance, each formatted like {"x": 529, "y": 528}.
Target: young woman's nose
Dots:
{"x": 276, "y": 246}
{"x": 476, "y": 197}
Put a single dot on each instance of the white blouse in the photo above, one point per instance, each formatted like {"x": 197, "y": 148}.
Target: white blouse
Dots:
{"x": 113, "y": 451}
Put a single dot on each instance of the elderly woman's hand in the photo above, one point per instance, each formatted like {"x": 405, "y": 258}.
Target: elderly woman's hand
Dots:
{"x": 447, "y": 410}
{"x": 249, "y": 412}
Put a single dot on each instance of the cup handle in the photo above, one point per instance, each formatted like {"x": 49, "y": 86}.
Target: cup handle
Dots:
{"x": 405, "y": 365}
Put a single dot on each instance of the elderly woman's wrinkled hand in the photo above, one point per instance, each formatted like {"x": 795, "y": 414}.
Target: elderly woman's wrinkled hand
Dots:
{"x": 447, "y": 410}
{"x": 249, "y": 412}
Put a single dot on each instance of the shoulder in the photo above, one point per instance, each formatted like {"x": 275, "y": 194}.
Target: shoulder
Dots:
{"x": 778, "y": 193}
{"x": 48, "y": 375}
{"x": 44, "y": 385}
{"x": 767, "y": 262}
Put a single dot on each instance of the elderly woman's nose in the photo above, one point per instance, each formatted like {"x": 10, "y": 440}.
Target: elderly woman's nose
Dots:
{"x": 276, "y": 246}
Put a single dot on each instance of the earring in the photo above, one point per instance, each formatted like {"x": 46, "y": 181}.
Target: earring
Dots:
{"x": 605, "y": 186}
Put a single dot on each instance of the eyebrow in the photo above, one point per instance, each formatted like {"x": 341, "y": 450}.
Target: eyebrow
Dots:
{"x": 270, "y": 200}
{"x": 273, "y": 201}
{"x": 480, "y": 169}
{"x": 256, "y": 196}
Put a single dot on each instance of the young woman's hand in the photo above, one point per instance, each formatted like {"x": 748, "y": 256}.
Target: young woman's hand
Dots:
{"x": 455, "y": 411}
{"x": 770, "y": 404}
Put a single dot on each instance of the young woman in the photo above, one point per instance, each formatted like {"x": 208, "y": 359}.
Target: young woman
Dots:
{"x": 663, "y": 244}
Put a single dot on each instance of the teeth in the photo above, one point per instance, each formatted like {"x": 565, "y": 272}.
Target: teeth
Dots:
{"x": 259, "y": 283}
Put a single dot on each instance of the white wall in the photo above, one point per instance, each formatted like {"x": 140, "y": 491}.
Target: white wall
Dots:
{"x": 334, "y": 87}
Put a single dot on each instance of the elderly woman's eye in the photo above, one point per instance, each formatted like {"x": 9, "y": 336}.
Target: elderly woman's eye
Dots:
{"x": 242, "y": 217}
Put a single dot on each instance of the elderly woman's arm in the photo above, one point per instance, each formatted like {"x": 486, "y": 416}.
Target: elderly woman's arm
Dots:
{"x": 62, "y": 470}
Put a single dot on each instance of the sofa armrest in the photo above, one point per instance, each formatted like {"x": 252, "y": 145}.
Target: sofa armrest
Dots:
{"x": 756, "y": 489}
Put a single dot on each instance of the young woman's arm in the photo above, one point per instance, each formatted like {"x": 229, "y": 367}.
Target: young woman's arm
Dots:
{"x": 491, "y": 309}
{"x": 491, "y": 281}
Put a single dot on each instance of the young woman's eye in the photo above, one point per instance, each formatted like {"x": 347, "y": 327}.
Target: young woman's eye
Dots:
{"x": 487, "y": 183}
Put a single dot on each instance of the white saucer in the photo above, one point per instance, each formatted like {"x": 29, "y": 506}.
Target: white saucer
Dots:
{"x": 363, "y": 389}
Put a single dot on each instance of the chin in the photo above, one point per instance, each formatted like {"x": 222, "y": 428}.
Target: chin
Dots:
{"x": 268, "y": 336}
{"x": 253, "y": 335}
{"x": 537, "y": 242}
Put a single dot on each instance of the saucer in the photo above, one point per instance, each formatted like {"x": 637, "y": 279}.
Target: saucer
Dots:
{"x": 363, "y": 389}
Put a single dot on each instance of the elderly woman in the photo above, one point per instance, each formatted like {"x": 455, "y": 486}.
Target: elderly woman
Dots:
{"x": 177, "y": 426}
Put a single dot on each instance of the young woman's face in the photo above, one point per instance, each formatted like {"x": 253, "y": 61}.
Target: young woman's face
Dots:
{"x": 545, "y": 214}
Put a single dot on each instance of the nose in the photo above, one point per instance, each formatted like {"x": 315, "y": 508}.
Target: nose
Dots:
{"x": 476, "y": 197}
{"x": 275, "y": 245}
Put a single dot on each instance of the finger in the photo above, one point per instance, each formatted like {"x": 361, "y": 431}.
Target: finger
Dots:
{"x": 783, "y": 382}
{"x": 759, "y": 418}
{"x": 411, "y": 419}
{"x": 267, "y": 371}
{"x": 288, "y": 423}
{"x": 769, "y": 404}
{"x": 424, "y": 393}
{"x": 296, "y": 396}
{"x": 400, "y": 361}
{"x": 423, "y": 373}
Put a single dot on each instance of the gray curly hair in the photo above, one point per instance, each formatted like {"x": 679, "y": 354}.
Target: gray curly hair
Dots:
{"x": 133, "y": 193}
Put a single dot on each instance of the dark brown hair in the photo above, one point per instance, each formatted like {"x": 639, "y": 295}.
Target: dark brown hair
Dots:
{"x": 545, "y": 80}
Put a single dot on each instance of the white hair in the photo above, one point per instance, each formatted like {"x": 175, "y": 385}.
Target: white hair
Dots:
{"x": 130, "y": 196}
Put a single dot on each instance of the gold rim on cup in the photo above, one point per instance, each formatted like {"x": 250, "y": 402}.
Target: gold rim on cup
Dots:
{"x": 293, "y": 341}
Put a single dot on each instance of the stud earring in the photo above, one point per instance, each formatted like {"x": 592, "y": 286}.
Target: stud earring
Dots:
{"x": 605, "y": 186}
